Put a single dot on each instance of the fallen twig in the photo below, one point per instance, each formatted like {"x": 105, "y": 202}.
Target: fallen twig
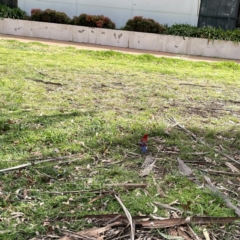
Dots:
{"x": 198, "y": 85}
{"x": 219, "y": 172}
{"x": 127, "y": 185}
{"x": 182, "y": 221}
{"x": 45, "y": 82}
{"x": 166, "y": 206}
{"x": 68, "y": 162}
{"x": 29, "y": 165}
{"x": 228, "y": 157}
{"x": 172, "y": 120}
{"x": 129, "y": 217}
{"x": 227, "y": 201}
{"x": 96, "y": 191}
{"x": 233, "y": 168}
{"x": 145, "y": 222}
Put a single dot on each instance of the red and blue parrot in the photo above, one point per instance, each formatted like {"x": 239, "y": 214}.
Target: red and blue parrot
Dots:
{"x": 143, "y": 143}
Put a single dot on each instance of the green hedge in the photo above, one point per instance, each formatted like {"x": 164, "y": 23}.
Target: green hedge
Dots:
{"x": 140, "y": 24}
{"x": 210, "y": 33}
{"x": 15, "y": 13}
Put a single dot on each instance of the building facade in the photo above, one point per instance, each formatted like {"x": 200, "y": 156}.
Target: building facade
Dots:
{"x": 163, "y": 11}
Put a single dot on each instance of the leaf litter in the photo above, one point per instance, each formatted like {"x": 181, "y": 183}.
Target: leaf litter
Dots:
{"x": 179, "y": 221}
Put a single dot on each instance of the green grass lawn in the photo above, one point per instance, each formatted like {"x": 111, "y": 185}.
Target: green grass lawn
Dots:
{"x": 94, "y": 107}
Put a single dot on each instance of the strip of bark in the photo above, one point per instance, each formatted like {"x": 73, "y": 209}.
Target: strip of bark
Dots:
{"x": 183, "y": 168}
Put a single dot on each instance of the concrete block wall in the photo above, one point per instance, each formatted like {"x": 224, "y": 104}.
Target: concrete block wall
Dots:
{"x": 118, "y": 38}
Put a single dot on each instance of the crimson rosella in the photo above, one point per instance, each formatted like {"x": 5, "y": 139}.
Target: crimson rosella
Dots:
{"x": 143, "y": 143}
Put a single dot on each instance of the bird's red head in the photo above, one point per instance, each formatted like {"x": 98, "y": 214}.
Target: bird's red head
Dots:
{"x": 145, "y": 138}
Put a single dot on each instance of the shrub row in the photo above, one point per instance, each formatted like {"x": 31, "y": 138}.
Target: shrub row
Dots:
{"x": 53, "y": 16}
{"x": 138, "y": 24}
{"x": 99, "y": 21}
{"x": 210, "y": 33}
{"x": 49, "y": 15}
{"x": 7, "y": 12}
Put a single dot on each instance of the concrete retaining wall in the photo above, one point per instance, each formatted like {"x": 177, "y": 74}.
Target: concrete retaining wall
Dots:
{"x": 118, "y": 38}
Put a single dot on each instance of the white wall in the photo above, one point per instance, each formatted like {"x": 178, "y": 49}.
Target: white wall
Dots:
{"x": 164, "y": 11}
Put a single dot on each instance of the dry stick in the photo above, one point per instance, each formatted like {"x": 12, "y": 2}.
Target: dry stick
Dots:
{"x": 28, "y": 165}
{"x": 211, "y": 186}
{"x": 233, "y": 168}
{"x": 130, "y": 185}
{"x": 56, "y": 158}
{"x": 220, "y": 172}
{"x": 228, "y": 157}
{"x": 128, "y": 215}
{"x": 67, "y": 162}
{"x": 171, "y": 119}
{"x": 45, "y": 82}
{"x": 226, "y": 200}
{"x": 98, "y": 191}
{"x": 76, "y": 235}
{"x": 41, "y": 73}
{"x": 197, "y": 85}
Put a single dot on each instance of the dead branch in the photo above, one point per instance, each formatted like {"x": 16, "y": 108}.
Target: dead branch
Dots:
{"x": 227, "y": 201}
{"x": 41, "y": 73}
{"x": 45, "y": 82}
{"x": 166, "y": 206}
{"x": 147, "y": 223}
{"x": 228, "y": 157}
{"x": 183, "y": 221}
{"x": 68, "y": 162}
{"x": 109, "y": 217}
{"x": 29, "y": 165}
{"x": 219, "y": 172}
{"x": 197, "y": 85}
{"x": 129, "y": 217}
{"x": 97, "y": 191}
{"x": 126, "y": 185}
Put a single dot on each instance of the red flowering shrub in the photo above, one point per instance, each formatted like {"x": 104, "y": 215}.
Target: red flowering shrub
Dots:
{"x": 49, "y": 16}
{"x": 99, "y": 21}
{"x": 140, "y": 24}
